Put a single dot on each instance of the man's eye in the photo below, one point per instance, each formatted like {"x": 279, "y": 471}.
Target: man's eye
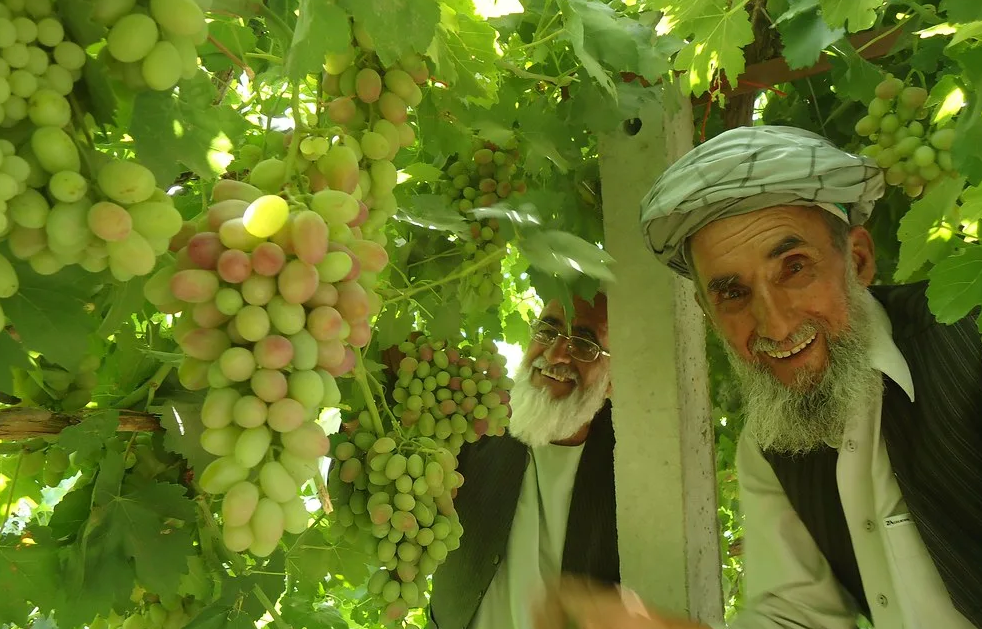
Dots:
{"x": 796, "y": 267}
{"x": 732, "y": 293}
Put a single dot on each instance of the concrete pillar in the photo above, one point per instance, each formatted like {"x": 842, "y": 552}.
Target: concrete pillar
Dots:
{"x": 664, "y": 459}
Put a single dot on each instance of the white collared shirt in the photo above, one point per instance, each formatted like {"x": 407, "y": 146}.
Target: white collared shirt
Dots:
{"x": 788, "y": 581}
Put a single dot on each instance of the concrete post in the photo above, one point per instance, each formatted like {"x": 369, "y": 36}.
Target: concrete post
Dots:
{"x": 664, "y": 458}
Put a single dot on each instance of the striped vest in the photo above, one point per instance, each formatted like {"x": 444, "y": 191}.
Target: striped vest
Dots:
{"x": 493, "y": 470}
{"x": 935, "y": 447}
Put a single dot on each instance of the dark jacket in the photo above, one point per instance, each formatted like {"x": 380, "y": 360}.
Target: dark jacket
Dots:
{"x": 935, "y": 448}
{"x": 493, "y": 469}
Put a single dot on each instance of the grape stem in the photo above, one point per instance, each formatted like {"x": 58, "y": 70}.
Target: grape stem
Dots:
{"x": 232, "y": 57}
{"x": 463, "y": 272}
{"x": 381, "y": 392}
{"x": 10, "y": 498}
{"x": 362, "y": 380}
{"x": 291, "y": 156}
{"x": 896, "y": 26}
{"x": 270, "y": 607}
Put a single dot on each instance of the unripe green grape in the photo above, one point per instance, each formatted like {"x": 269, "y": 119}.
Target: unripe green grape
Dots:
{"x": 889, "y": 88}
{"x": 889, "y": 123}
{"x": 943, "y": 139}
{"x": 924, "y": 156}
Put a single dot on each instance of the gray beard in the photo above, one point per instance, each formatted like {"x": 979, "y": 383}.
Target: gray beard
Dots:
{"x": 813, "y": 411}
{"x": 538, "y": 419}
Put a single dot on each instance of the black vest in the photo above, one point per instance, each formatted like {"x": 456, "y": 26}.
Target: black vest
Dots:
{"x": 493, "y": 470}
{"x": 935, "y": 448}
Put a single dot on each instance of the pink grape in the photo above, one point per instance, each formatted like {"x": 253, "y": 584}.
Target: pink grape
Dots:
{"x": 224, "y": 211}
{"x": 324, "y": 323}
{"x": 307, "y": 440}
{"x": 286, "y": 415}
{"x": 361, "y": 217}
{"x": 205, "y": 343}
{"x": 345, "y": 366}
{"x": 360, "y": 334}
{"x": 269, "y": 385}
{"x": 234, "y": 266}
{"x": 330, "y": 354}
{"x": 298, "y": 281}
{"x": 182, "y": 237}
{"x": 352, "y": 301}
{"x": 326, "y": 295}
{"x": 355, "y": 271}
{"x": 204, "y": 249}
{"x": 109, "y": 221}
{"x": 258, "y": 290}
{"x": 207, "y": 315}
{"x": 309, "y": 236}
{"x": 268, "y": 259}
{"x": 226, "y": 189}
{"x": 371, "y": 255}
{"x": 273, "y": 352}
{"x": 194, "y": 286}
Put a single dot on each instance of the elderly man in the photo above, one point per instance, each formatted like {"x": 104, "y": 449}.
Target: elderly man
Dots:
{"x": 539, "y": 500}
{"x": 861, "y": 462}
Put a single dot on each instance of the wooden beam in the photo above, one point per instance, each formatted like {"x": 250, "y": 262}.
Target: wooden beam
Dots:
{"x": 769, "y": 73}
{"x": 24, "y": 423}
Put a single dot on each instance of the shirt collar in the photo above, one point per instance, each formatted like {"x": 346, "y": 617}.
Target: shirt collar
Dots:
{"x": 884, "y": 354}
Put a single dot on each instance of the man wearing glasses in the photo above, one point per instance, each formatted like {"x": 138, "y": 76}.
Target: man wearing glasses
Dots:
{"x": 538, "y": 501}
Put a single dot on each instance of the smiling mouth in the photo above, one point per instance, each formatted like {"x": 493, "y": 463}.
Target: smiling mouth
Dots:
{"x": 794, "y": 350}
{"x": 558, "y": 377}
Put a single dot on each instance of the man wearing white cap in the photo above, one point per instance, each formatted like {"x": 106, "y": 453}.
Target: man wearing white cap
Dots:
{"x": 861, "y": 462}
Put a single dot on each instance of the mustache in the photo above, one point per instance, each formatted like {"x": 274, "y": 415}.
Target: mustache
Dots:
{"x": 559, "y": 369}
{"x": 803, "y": 333}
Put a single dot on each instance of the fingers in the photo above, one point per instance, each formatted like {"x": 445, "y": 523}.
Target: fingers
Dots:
{"x": 549, "y": 613}
{"x": 589, "y": 605}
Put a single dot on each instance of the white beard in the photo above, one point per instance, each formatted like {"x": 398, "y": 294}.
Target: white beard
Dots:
{"x": 538, "y": 419}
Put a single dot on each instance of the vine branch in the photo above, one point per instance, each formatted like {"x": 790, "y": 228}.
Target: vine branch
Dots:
{"x": 249, "y": 72}
{"x": 24, "y": 422}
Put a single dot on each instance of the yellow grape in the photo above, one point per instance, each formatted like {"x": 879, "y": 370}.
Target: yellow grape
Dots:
{"x": 179, "y": 17}
{"x": 132, "y": 37}
{"x": 266, "y": 215}
{"x": 162, "y": 67}
{"x": 221, "y": 474}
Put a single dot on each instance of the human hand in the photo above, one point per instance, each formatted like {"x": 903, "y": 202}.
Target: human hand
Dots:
{"x": 578, "y": 603}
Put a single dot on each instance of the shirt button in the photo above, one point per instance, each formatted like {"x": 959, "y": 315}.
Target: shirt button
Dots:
{"x": 870, "y": 526}
{"x": 496, "y": 560}
{"x": 851, "y": 445}
{"x": 882, "y": 600}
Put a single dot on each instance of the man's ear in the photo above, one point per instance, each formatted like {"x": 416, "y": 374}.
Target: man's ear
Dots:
{"x": 862, "y": 254}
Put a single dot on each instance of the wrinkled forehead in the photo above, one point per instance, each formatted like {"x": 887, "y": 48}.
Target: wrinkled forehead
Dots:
{"x": 587, "y": 317}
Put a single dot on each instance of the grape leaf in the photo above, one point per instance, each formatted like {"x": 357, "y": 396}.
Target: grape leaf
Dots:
{"x": 197, "y": 582}
{"x": 125, "y": 299}
{"x": 446, "y": 322}
{"x": 549, "y": 287}
{"x": 71, "y": 513}
{"x": 423, "y": 172}
{"x": 716, "y": 32}
{"x": 29, "y": 576}
{"x": 87, "y": 437}
{"x": 526, "y": 214}
{"x": 857, "y": 15}
{"x": 76, "y": 15}
{"x": 924, "y": 236}
{"x": 464, "y": 57}
{"x": 236, "y": 38}
{"x": 393, "y": 327}
{"x": 50, "y": 313}
{"x": 964, "y": 151}
{"x": 397, "y": 27}
{"x": 600, "y": 112}
{"x": 971, "y": 206}
{"x": 516, "y": 329}
{"x": 961, "y": 10}
{"x": 854, "y": 77}
{"x": 432, "y": 211}
{"x": 804, "y": 36}
{"x": 575, "y": 34}
{"x": 181, "y": 419}
{"x": 565, "y": 255}
{"x": 184, "y": 129}
{"x": 304, "y": 612}
{"x": 12, "y": 355}
{"x": 321, "y": 28}
{"x": 955, "y": 286}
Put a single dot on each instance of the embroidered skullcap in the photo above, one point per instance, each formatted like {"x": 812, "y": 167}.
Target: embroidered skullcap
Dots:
{"x": 752, "y": 168}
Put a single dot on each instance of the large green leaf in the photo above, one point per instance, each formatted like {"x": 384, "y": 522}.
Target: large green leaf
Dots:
{"x": 321, "y": 28}
{"x": 856, "y": 15}
{"x": 464, "y": 55}
{"x": 87, "y": 437}
{"x": 804, "y": 36}
{"x": 397, "y": 27}
{"x": 955, "y": 286}
{"x": 12, "y": 355}
{"x": 566, "y": 255}
{"x": 924, "y": 235}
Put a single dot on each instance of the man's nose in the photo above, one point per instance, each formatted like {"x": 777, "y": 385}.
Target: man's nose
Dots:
{"x": 773, "y": 315}
{"x": 557, "y": 352}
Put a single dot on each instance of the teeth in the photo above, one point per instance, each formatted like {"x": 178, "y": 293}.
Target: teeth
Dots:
{"x": 551, "y": 374}
{"x": 794, "y": 350}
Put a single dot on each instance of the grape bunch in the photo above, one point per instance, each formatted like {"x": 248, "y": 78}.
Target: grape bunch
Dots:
{"x": 151, "y": 44}
{"x": 34, "y": 55}
{"x": 50, "y": 463}
{"x": 167, "y": 611}
{"x": 393, "y": 500}
{"x": 489, "y": 175}
{"x": 913, "y": 154}
{"x": 452, "y": 394}
{"x": 54, "y": 387}
{"x": 272, "y": 309}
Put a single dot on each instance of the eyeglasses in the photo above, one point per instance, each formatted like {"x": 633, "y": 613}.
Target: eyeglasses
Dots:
{"x": 578, "y": 348}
